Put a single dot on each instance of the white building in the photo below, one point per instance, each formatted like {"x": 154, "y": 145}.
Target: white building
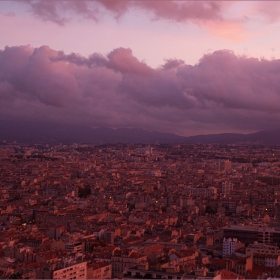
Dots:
{"x": 266, "y": 249}
{"x": 230, "y": 245}
{"x": 76, "y": 271}
{"x": 74, "y": 247}
{"x": 227, "y": 188}
{"x": 201, "y": 191}
{"x": 272, "y": 260}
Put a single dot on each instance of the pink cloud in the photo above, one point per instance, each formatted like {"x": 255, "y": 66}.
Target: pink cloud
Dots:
{"x": 209, "y": 14}
{"x": 47, "y": 11}
{"x": 122, "y": 60}
{"x": 118, "y": 7}
{"x": 270, "y": 9}
{"x": 172, "y": 63}
{"x": 230, "y": 30}
{"x": 179, "y": 11}
{"x": 223, "y": 91}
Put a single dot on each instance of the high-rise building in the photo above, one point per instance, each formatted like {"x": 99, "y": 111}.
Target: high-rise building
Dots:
{"x": 227, "y": 188}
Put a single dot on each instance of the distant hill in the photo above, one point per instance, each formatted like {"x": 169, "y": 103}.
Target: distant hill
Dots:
{"x": 271, "y": 137}
{"x": 268, "y": 137}
{"x": 224, "y": 138}
{"x": 32, "y": 132}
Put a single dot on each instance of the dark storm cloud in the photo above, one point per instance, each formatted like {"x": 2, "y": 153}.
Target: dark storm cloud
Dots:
{"x": 223, "y": 92}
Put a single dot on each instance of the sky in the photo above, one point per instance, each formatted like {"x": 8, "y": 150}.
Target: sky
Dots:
{"x": 186, "y": 67}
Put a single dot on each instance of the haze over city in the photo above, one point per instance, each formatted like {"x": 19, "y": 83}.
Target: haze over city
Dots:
{"x": 186, "y": 67}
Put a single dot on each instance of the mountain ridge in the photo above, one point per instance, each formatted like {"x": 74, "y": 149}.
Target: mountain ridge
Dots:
{"x": 35, "y": 132}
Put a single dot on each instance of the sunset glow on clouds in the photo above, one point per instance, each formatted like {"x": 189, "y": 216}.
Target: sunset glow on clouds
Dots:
{"x": 187, "y": 67}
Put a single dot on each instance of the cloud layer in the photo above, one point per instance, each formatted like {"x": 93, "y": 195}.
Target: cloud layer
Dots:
{"x": 199, "y": 12}
{"x": 178, "y": 11}
{"x": 223, "y": 92}
{"x": 230, "y": 20}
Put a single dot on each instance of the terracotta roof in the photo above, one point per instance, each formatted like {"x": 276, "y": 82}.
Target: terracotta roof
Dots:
{"x": 220, "y": 262}
{"x": 154, "y": 248}
{"x": 225, "y": 274}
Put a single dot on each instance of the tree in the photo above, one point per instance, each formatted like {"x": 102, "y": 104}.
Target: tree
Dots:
{"x": 84, "y": 192}
{"x": 209, "y": 210}
{"x": 16, "y": 275}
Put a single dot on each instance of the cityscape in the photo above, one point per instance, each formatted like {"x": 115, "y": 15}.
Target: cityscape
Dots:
{"x": 134, "y": 211}
{"x": 139, "y": 139}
